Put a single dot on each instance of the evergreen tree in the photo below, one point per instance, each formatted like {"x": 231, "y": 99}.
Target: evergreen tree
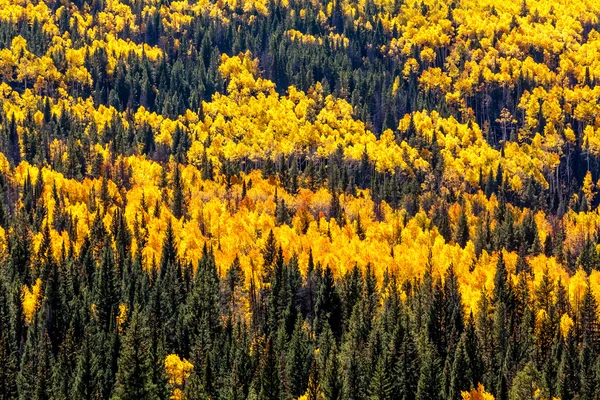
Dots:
{"x": 202, "y": 310}
{"x": 106, "y": 291}
{"x": 8, "y": 347}
{"x": 462, "y": 378}
{"x": 331, "y": 382}
{"x": 428, "y": 386}
{"x": 269, "y": 383}
{"x": 269, "y": 255}
{"x": 526, "y": 383}
{"x": 461, "y": 232}
{"x": 328, "y": 306}
{"x": 83, "y": 383}
{"x": 298, "y": 360}
{"x": 381, "y": 387}
{"x": 134, "y": 378}
{"x": 589, "y": 381}
{"x": 568, "y": 383}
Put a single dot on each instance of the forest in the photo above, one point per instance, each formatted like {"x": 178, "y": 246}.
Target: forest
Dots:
{"x": 299, "y": 199}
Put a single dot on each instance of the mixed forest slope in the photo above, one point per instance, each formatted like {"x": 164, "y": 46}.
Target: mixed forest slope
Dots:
{"x": 299, "y": 199}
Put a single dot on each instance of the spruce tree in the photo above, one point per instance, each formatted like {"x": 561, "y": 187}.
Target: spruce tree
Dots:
{"x": 568, "y": 382}
{"x": 461, "y": 232}
{"x": 202, "y": 309}
{"x": 461, "y": 374}
{"x": 428, "y": 387}
{"x": 269, "y": 383}
{"x": 328, "y": 306}
{"x": 8, "y": 346}
{"x": 381, "y": 387}
{"x": 407, "y": 367}
{"x": 526, "y": 383}
{"x": 106, "y": 291}
{"x": 84, "y": 375}
{"x": 134, "y": 376}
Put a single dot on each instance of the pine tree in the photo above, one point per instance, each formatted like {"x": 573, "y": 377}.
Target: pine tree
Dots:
{"x": 589, "y": 384}
{"x": 134, "y": 378}
{"x": 282, "y": 214}
{"x": 298, "y": 360}
{"x": 178, "y": 199}
{"x": 43, "y": 379}
{"x": 568, "y": 383}
{"x": 202, "y": 310}
{"x": 406, "y": 367}
{"x": 588, "y": 319}
{"x": 461, "y": 232}
{"x": 526, "y": 383}
{"x": 14, "y": 150}
{"x": 328, "y": 306}
{"x": 428, "y": 386}
{"x": 589, "y": 259}
{"x": 106, "y": 291}
{"x": 8, "y": 347}
{"x": 168, "y": 258}
{"x": 381, "y": 387}
{"x": 441, "y": 219}
{"x": 501, "y": 290}
{"x": 269, "y": 255}
{"x": 34, "y": 378}
{"x": 352, "y": 358}
{"x": 313, "y": 391}
{"x": 85, "y": 371}
{"x": 269, "y": 383}
{"x": 234, "y": 282}
{"x": 485, "y": 327}
{"x": 329, "y": 366}
{"x": 64, "y": 367}
{"x": 360, "y": 231}
{"x": 462, "y": 374}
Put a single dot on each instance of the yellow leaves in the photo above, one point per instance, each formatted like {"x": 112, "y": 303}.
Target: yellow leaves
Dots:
{"x": 19, "y": 46}
{"x": 541, "y": 321}
{"x": 7, "y": 64}
{"x": 591, "y": 140}
{"x": 396, "y": 85}
{"x": 477, "y": 394}
{"x": 78, "y": 75}
{"x": 570, "y": 135}
{"x": 295, "y": 35}
{"x": 434, "y": 79}
{"x": 38, "y": 117}
{"x": 116, "y": 17}
{"x": 167, "y": 128}
{"x": 122, "y": 316}
{"x": 4, "y": 164}
{"x": 31, "y": 299}
{"x": 411, "y": 66}
{"x": 428, "y": 55}
{"x": 265, "y": 125}
{"x": 588, "y": 189}
{"x": 178, "y": 370}
{"x": 516, "y": 183}
{"x": 566, "y": 323}
{"x": 577, "y": 287}
{"x": 243, "y": 75}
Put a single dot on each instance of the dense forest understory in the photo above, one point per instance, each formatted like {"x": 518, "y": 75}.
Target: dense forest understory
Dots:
{"x": 299, "y": 199}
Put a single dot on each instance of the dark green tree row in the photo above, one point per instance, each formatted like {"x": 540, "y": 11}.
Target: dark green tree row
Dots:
{"x": 348, "y": 337}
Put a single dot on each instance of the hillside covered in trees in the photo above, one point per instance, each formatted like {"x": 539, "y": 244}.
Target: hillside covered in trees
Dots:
{"x": 299, "y": 199}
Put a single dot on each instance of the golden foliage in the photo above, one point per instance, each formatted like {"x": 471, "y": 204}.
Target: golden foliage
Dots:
{"x": 31, "y": 299}
{"x": 477, "y": 394}
{"x": 178, "y": 370}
